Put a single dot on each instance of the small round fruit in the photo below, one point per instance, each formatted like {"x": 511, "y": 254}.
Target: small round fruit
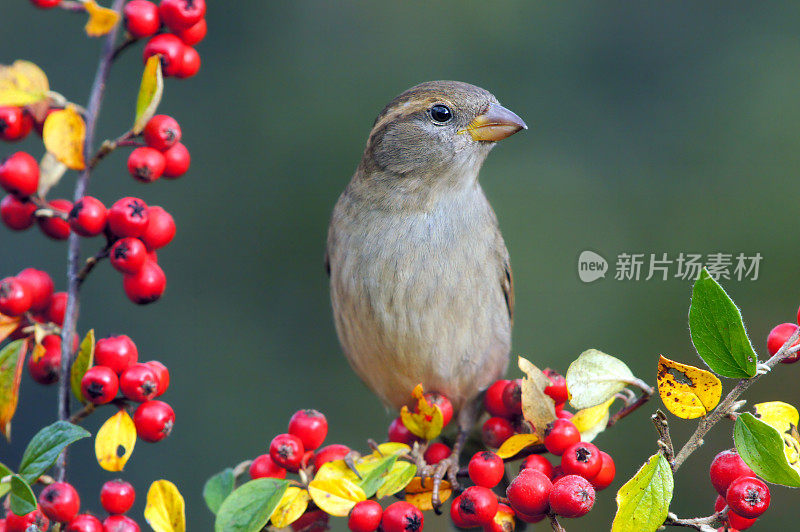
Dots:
{"x": 19, "y": 174}
{"x": 147, "y": 285}
{"x": 583, "y": 459}
{"x": 15, "y": 124}
{"x": 162, "y": 132}
{"x": 171, "y": 50}
{"x": 778, "y": 336}
{"x": 477, "y": 505}
{"x": 512, "y": 397}
{"x": 15, "y": 298}
{"x": 287, "y": 451}
{"x": 455, "y": 515}
{"x": 56, "y": 227}
{"x": 194, "y": 34}
{"x": 399, "y": 433}
{"x": 57, "y": 308}
{"x": 558, "y": 389}
{"x": 128, "y": 217}
{"x": 486, "y": 469}
{"x": 17, "y": 214}
{"x": 312, "y": 521}
{"x": 154, "y": 420}
{"x": 178, "y": 160}
{"x": 335, "y": 451}
{"x": 605, "y": 476}
{"x": 726, "y": 467}
{"x": 85, "y": 523}
{"x": 493, "y": 400}
{"x": 99, "y": 385}
{"x": 46, "y": 368}
{"x": 120, "y": 523}
{"x": 88, "y": 216}
{"x": 310, "y": 426}
{"x": 40, "y": 285}
{"x": 444, "y": 404}
{"x": 162, "y": 376}
{"x": 45, "y": 4}
{"x": 190, "y": 63}
{"x": 138, "y": 383}
{"x": 263, "y": 467}
{"x": 734, "y": 520}
{"x": 141, "y": 18}
{"x": 59, "y": 502}
{"x": 539, "y": 463}
{"x": 146, "y": 164}
{"x": 748, "y": 497}
{"x": 365, "y": 516}
{"x": 572, "y": 496}
{"x": 402, "y": 517}
{"x": 559, "y": 435}
{"x": 21, "y": 523}
{"x": 436, "y": 452}
{"x": 117, "y": 496}
{"x": 116, "y": 352}
{"x": 495, "y": 431}
{"x": 181, "y": 14}
{"x": 160, "y": 230}
{"x": 128, "y": 255}
{"x": 529, "y": 491}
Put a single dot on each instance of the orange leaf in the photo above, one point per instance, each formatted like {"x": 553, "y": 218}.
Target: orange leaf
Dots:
{"x": 101, "y": 19}
{"x": 419, "y": 492}
{"x": 11, "y": 359}
{"x": 427, "y": 421}
{"x": 8, "y": 325}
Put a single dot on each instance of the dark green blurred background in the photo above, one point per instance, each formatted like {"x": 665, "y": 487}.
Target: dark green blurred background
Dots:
{"x": 654, "y": 128}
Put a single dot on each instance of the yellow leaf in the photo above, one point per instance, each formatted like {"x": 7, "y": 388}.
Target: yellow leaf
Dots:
{"x": 335, "y": 470}
{"x": 51, "y": 170}
{"x": 537, "y": 407}
{"x": 165, "y": 510}
{"x": 22, "y": 83}
{"x": 504, "y": 520}
{"x": 397, "y": 478}
{"x": 101, "y": 19}
{"x": 335, "y": 496}
{"x": 784, "y": 418}
{"x": 515, "y": 444}
{"x": 11, "y": 359}
{"x": 592, "y": 421}
{"x": 390, "y": 448}
{"x": 687, "y": 391}
{"x": 114, "y": 442}
{"x": 293, "y": 504}
{"x": 427, "y": 421}
{"x": 150, "y": 92}
{"x": 8, "y": 325}
{"x": 64, "y": 133}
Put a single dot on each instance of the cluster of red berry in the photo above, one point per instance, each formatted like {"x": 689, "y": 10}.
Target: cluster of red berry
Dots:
{"x": 164, "y": 154}
{"x": 779, "y": 335}
{"x": 59, "y": 502}
{"x": 745, "y": 495}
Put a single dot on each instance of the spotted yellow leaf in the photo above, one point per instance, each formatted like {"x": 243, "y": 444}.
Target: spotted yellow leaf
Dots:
{"x": 427, "y": 421}
{"x": 150, "y": 91}
{"x": 293, "y": 503}
{"x": 420, "y": 493}
{"x": 114, "y": 442}
{"x": 22, "y": 83}
{"x": 687, "y": 391}
{"x": 784, "y": 418}
{"x": 335, "y": 496}
{"x": 592, "y": 421}
{"x": 101, "y": 19}
{"x": 63, "y": 134}
{"x": 165, "y": 510}
{"x": 515, "y": 444}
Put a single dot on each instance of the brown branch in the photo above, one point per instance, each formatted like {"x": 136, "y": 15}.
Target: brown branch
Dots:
{"x": 92, "y": 261}
{"x": 704, "y": 524}
{"x": 631, "y": 407}
{"x": 555, "y": 524}
{"x": 664, "y": 440}
{"x": 82, "y": 414}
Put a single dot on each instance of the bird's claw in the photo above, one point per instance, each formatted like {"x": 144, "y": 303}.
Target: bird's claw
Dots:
{"x": 446, "y": 469}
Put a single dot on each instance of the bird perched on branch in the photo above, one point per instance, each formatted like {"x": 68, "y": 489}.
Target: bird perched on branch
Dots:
{"x": 420, "y": 278}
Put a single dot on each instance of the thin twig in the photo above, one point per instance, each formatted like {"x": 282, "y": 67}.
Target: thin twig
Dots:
{"x": 82, "y": 414}
{"x": 92, "y": 261}
{"x": 664, "y": 440}
{"x": 129, "y": 40}
{"x": 108, "y": 146}
{"x": 74, "y": 7}
{"x": 555, "y": 524}
{"x": 629, "y": 408}
{"x": 704, "y": 524}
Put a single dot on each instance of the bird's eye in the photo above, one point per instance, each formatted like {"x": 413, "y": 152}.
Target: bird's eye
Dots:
{"x": 441, "y": 113}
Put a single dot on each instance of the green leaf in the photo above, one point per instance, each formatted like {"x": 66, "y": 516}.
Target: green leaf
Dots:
{"x": 375, "y": 476}
{"x": 718, "y": 332}
{"x": 249, "y": 507}
{"x": 596, "y": 377}
{"x": 217, "y": 489}
{"x": 12, "y": 358}
{"x": 5, "y": 486}
{"x": 45, "y": 446}
{"x": 83, "y": 361}
{"x": 150, "y": 92}
{"x": 643, "y": 502}
{"x": 397, "y": 478}
{"x": 23, "y": 501}
{"x": 761, "y": 447}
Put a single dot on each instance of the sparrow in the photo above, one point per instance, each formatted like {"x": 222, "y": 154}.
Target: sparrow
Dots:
{"x": 420, "y": 280}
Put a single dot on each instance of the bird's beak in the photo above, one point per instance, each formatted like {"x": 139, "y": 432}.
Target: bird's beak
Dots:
{"x": 495, "y": 124}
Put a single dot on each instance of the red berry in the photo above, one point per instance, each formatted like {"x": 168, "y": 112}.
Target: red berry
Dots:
{"x": 329, "y": 453}
{"x": 171, "y": 50}
{"x": 778, "y": 336}
{"x": 178, "y": 161}
{"x": 146, "y": 164}
{"x": 572, "y": 496}
{"x": 436, "y": 452}
{"x": 564, "y": 414}
{"x": 559, "y": 435}
{"x": 444, "y": 404}
{"x": 147, "y": 285}
{"x": 162, "y": 132}
{"x": 530, "y": 518}
{"x": 583, "y": 459}
{"x": 141, "y": 18}
{"x": 190, "y": 63}
{"x": 402, "y": 517}
{"x": 160, "y": 230}
{"x": 138, "y": 383}
{"x": 493, "y": 401}
{"x": 15, "y": 124}
{"x": 56, "y": 227}
{"x": 605, "y": 476}
{"x": 154, "y": 420}
{"x": 365, "y": 516}
{"x": 181, "y": 14}
{"x": 59, "y": 502}
{"x": 20, "y": 523}
{"x": 287, "y": 451}
{"x": 399, "y": 433}
{"x": 312, "y": 521}
{"x": 85, "y": 523}
{"x": 726, "y": 467}
{"x": 558, "y": 390}
{"x": 539, "y": 463}
{"x": 40, "y": 286}
{"x": 17, "y": 214}
{"x": 19, "y": 174}
{"x": 310, "y": 426}
{"x": 477, "y": 505}
{"x": 748, "y": 497}
{"x": 512, "y": 396}
{"x": 15, "y": 297}
{"x": 120, "y": 523}
{"x": 99, "y": 385}
{"x": 116, "y": 352}
{"x": 264, "y": 467}
{"x": 194, "y": 34}
{"x": 117, "y": 496}
{"x": 734, "y": 520}
{"x": 486, "y": 469}
{"x": 529, "y": 491}
{"x": 128, "y": 255}
{"x": 88, "y": 216}
{"x": 46, "y": 368}
{"x": 45, "y": 4}
{"x": 162, "y": 376}
{"x": 57, "y": 308}
{"x": 495, "y": 431}
{"x": 455, "y": 515}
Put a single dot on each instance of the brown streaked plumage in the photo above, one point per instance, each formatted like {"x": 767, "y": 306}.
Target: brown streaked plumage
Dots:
{"x": 421, "y": 283}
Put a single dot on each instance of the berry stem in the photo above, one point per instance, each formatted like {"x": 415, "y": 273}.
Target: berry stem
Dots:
{"x": 74, "y": 254}
{"x": 71, "y": 5}
{"x": 555, "y": 524}
{"x": 664, "y": 440}
{"x": 632, "y": 406}
{"x": 705, "y": 524}
{"x": 92, "y": 261}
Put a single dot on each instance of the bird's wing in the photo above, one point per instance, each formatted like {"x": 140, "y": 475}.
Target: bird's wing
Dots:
{"x": 507, "y": 283}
